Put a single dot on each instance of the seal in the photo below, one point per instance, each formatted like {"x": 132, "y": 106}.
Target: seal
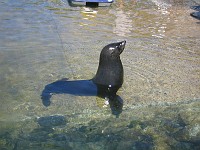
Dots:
{"x": 110, "y": 71}
{"x": 195, "y": 15}
{"x": 197, "y": 8}
{"x": 105, "y": 84}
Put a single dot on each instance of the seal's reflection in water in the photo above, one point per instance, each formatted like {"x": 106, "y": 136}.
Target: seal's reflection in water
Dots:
{"x": 83, "y": 88}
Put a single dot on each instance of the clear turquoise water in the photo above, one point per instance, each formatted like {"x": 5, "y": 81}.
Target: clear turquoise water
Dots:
{"x": 44, "y": 41}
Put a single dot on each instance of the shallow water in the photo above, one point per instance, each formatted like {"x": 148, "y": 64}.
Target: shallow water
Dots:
{"x": 44, "y": 41}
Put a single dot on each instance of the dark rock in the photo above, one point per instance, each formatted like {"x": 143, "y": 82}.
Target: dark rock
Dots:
{"x": 142, "y": 146}
{"x": 51, "y": 121}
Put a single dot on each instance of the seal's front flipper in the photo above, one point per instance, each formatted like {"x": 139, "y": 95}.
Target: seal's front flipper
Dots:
{"x": 46, "y": 98}
{"x": 116, "y": 105}
{"x": 195, "y": 15}
{"x": 197, "y": 8}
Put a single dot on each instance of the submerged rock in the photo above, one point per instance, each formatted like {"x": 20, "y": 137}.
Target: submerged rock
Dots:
{"x": 51, "y": 121}
{"x": 142, "y": 146}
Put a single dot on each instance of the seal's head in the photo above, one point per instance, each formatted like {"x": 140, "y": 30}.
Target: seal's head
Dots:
{"x": 113, "y": 50}
{"x": 110, "y": 71}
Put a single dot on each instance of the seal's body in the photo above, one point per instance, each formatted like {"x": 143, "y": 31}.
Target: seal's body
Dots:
{"x": 110, "y": 71}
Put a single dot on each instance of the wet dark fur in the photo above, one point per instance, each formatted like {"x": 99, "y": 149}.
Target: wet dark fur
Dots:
{"x": 110, "y": 71}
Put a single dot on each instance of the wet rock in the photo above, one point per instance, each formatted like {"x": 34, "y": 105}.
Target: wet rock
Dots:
{"x": 60, "y": 137}
{"x": 82, "y": 129}
{"x": 75, "y": 136}
{"x": 142, "y": 146}
{"x": 181, "y": 135}
{"x": 51, "y": 121}
{"x": 186, "y": 140}
{"x": 113, "y": 137}
{"x": 95, "y": 138}
{"x": 172, "y": 127}
{"x": 144, "y": 142}
{"x": 133, "y": 124}
{"x": 194, "y": 130}
{"x": 183, "y": 146}
{"x": 87, "y": 129}
{"x": 41, "y": 134}
{"x": 190, "y": 115}
{"x": 6, "y": 141}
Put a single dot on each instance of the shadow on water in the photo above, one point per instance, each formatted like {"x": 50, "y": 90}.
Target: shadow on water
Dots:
{"x": 83, "y": 88}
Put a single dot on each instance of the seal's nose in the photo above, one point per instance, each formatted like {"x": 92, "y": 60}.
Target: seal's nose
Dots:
{"x": 123, "y": 42}
{"x": 122, "y": 46}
